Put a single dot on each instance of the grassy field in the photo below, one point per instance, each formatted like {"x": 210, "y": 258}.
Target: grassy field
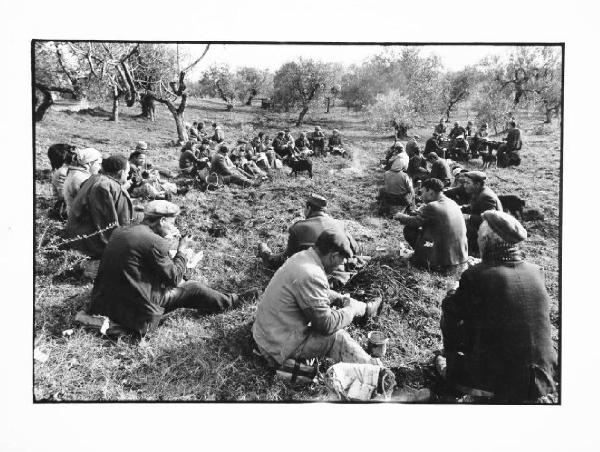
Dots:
{"x": 193, "y": 357}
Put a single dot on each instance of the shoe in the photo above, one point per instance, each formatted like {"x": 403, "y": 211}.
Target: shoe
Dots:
{"x": 373, "y": 308}
{"x": 247, "y": 295}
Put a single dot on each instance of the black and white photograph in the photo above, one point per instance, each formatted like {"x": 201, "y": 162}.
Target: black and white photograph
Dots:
{"x": 336, "y": 222}
{"x": 270, "y": 225}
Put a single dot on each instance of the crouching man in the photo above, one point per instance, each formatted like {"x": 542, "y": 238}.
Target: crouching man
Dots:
{"x": 496, "y": 326}
{"x": 294, "y": 318}
{"x": 138, "y": 282}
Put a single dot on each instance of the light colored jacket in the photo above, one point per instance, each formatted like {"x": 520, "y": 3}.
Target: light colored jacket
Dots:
{"x": 297, "y": 295}
{"x": 76, "y": 176}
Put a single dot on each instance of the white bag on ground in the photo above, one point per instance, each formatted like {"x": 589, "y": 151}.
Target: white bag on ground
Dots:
{"x": 352, "y": 381}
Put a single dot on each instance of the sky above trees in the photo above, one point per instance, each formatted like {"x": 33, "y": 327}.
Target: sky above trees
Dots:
{"x": 271, "y": 56}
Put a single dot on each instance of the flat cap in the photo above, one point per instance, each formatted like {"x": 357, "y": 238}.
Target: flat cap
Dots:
{"x": 477, "y": 176}
{"x": 87, "y": 155}
{"x": 141, "y": 146}
{"x": 161, "y": 208}
{"x": 336, "y": 241}
{"x": 317, "y": 200}
{"x": 505, "y": 225}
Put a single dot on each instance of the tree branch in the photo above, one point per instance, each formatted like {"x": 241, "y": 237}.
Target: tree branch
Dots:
{"x": 197, "y": 61}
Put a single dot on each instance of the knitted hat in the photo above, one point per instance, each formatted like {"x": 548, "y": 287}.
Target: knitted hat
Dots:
{"x": 505, "y": 225}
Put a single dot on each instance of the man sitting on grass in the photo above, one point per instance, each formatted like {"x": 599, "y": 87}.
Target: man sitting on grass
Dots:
{"x": 138, "y": 281}
{"x": 304, "y": 233}
{"x": 294, "y": 318}
{"x": 482, "y": 198}
{"x": 437, "y": 232}
{"x": 101, "y": 205}
{"x": 397, "y": 194}
{"x": 223, "y": 166}
{"x": 496, "y": 325}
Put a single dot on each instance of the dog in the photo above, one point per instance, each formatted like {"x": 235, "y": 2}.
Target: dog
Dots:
{"x": 533, "y": 215}
{"x": 299, "y": 165}
{"x": 489, "y": 159}
{"x": 513, "y": 205}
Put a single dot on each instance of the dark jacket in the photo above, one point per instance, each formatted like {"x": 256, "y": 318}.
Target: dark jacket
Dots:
{"x": 432, "y": 145}
{"x": 507, "y": 337}
{"x": 412, "y": 148}
{"x": 222, "y": 164}
{"x": 458, "y": 194}
{"x": 441, "y": 171}
{"x": 484, "y": 200}
{"x": 456, "y": 131}
{"x": 302, "y": 143}
{"x": 335, "y": 141}
{"x": 304, "y": 233}
{"x": 134, "y": 274}
{"x": 417, "y": 166}
{"x": 444, "y": 228}
{"x": 101, "y": 202}
{"x": 513, "y": 139}
{"x": 440, "y": 128}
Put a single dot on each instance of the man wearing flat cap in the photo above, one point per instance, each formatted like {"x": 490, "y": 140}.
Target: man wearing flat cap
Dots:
{"x": 496, "y": 325}
{"x": 482, "y": 198}
{"x": 304, "y": 233}
{"x": 138, "y": 281}
{"x": 294, "y": 318}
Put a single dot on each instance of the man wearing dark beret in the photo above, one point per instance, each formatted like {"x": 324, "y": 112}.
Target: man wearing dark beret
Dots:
{"x": 496, "y": 325}
{"x": 294, "y": 318}
{"x": 304, "y": 233}
{"x": 482, "y": 198}
{"x": 138, "y": 281}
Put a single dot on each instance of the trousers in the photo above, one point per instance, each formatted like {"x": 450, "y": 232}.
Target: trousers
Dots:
{"x": 195, "y": 295}
{"x": 339, "y": 346}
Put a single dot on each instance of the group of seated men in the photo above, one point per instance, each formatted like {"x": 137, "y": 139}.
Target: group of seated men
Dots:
{"x": 495, "y": 325}
{"x": 461, "y": 149}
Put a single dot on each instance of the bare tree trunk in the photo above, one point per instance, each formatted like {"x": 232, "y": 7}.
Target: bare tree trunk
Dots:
{"x": 43, "y": 107}
{"x": 328, "y": 104}
{"x": 148, "y": 107}
{"x": 301, "y": 116}
{"x": 253, "y": 94}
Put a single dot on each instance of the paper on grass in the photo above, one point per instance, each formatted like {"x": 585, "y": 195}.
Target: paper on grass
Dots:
{"x": 192, "y": 257}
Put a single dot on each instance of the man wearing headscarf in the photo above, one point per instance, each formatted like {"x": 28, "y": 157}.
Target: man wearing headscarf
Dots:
{"x": 85, "y": 163}
{"x": 496, "y": 324}
{"x": 397, "y": 194}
